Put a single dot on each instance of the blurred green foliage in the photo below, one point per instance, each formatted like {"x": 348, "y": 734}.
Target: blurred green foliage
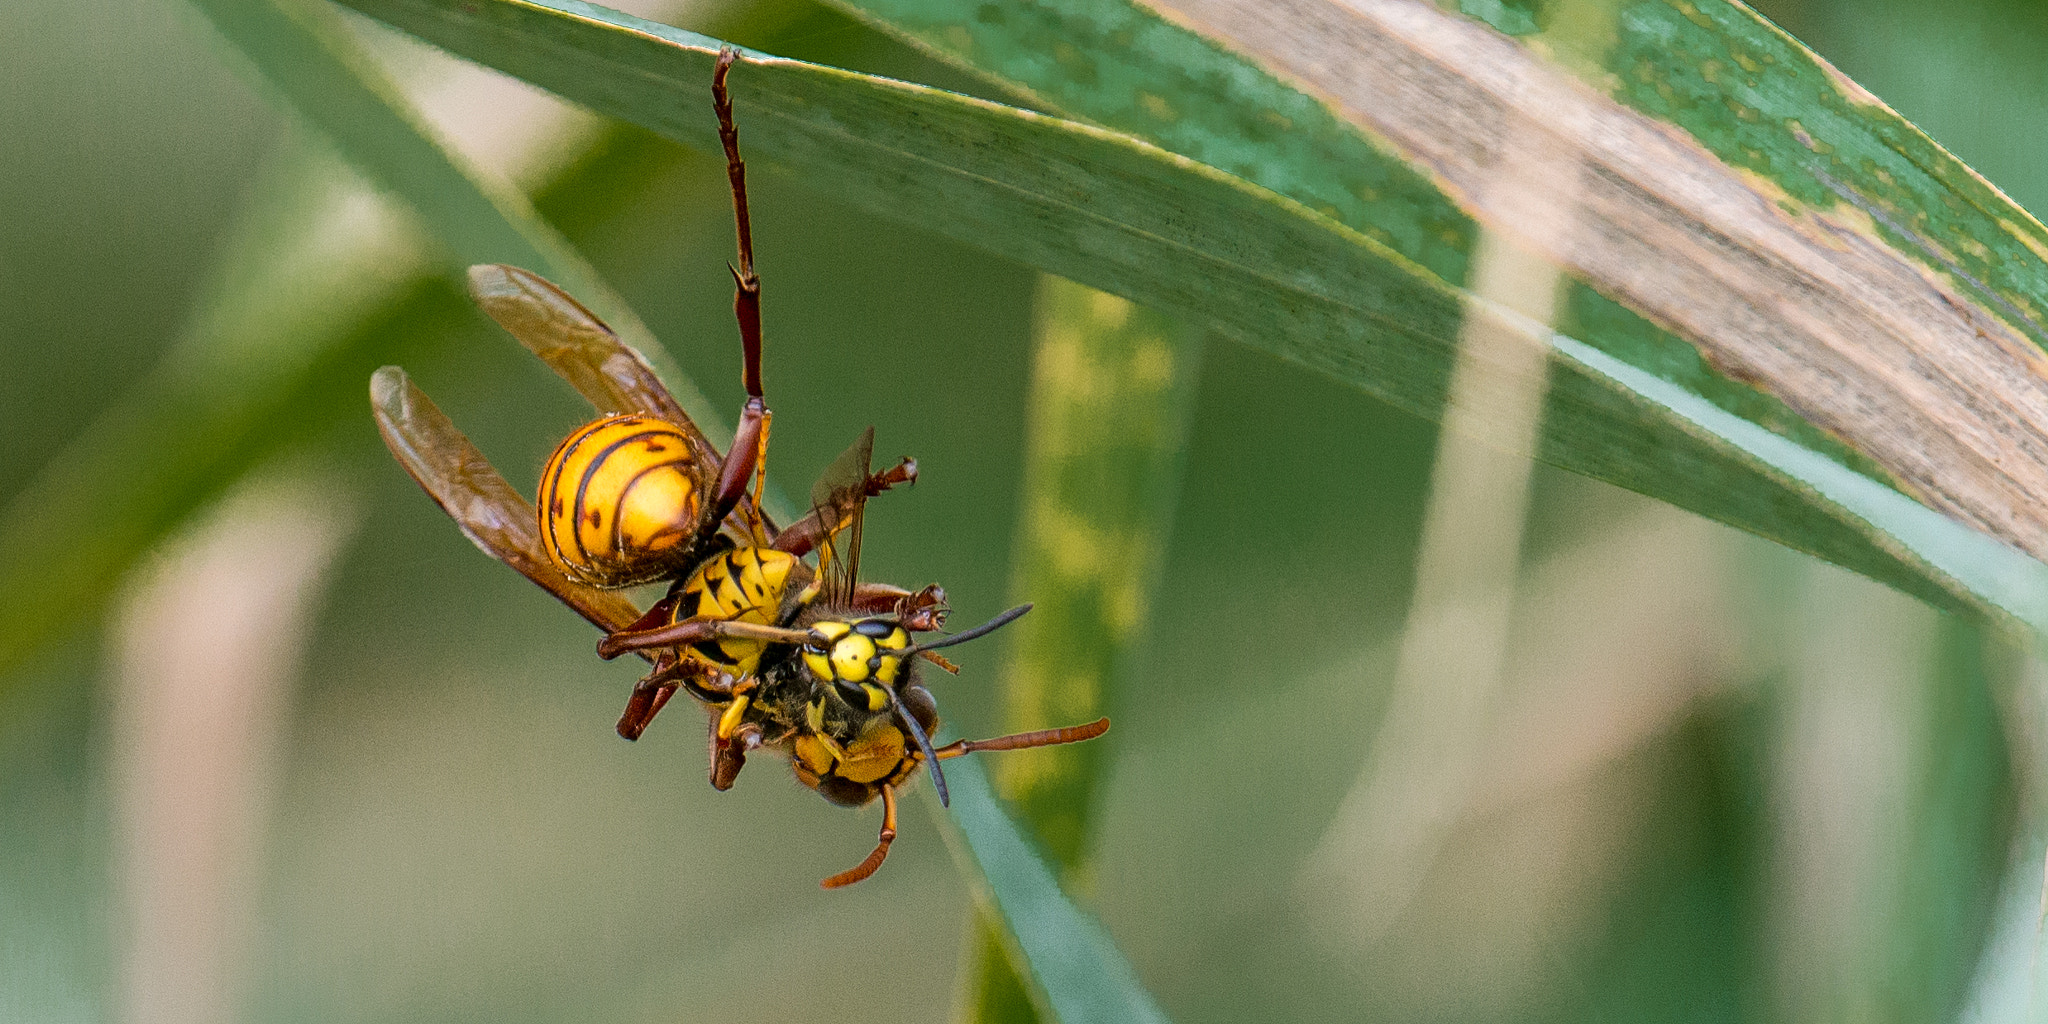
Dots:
{"x": 457, "y": 833}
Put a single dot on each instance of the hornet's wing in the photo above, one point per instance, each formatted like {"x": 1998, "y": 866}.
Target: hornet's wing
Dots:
{"x": 491, "y": 514}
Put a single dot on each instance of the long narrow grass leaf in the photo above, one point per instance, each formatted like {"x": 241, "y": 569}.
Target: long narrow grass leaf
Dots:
{"x": 1112, "y": 212}
{"x": 1077, "y": 974}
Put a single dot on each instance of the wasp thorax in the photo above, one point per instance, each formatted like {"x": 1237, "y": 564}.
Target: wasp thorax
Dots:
{"x": 620, "y": 501}
{"x": 740, "y": 585}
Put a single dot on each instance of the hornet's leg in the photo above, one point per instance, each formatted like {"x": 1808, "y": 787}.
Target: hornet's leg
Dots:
{"x": 654, "y": 691}
{"x": 920, "y": 611}
{"x": 743, "y": 461}
{"x": 881, "y": 852}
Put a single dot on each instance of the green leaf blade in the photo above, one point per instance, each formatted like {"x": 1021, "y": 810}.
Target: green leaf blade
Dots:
{"x": 1130, "y": 49}
{"x": 1116, "y": 214}
{"x": 1074, "y": 966}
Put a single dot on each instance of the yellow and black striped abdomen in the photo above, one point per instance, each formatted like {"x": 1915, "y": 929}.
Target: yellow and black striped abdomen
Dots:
{"x": 620, "y": 501}
{"x": 741, "y": 585}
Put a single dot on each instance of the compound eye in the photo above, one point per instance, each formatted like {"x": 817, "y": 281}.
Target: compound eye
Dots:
{"x": 874, "y": 629}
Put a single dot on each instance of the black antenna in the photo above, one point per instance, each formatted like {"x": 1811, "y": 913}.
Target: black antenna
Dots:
{"x": 924, "y": 743}
{"x": 973, "y": 634}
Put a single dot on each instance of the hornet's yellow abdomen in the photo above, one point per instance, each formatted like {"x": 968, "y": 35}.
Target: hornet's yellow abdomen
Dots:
{"x": 621, "y": 501}
{"x": 741, "y": 585}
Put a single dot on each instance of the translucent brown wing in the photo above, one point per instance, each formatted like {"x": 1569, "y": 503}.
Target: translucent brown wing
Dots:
{"x": 579, "y": 347}
{"x": 839, "y": 501}
{"x": 491, "y": 514}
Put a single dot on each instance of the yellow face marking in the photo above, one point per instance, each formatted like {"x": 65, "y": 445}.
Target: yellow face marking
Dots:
{"x": 820, "y": 665}
{"x": 878, "y": 698}
{"x": 889, "y": 666}
{"x": 850, "y": 658}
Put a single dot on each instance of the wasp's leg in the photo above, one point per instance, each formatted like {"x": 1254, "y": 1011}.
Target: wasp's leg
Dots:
{"x": 881, "y": 852}
{"x": 653, "y": 691}
{"x": 923, "y": 611}
{"x": 801, "y": 537}
{"x": 690, "y": 631}
{"x": 729, "y": 754}
{"x": 1026, "y": 740}
{"x": 656, "y": 615}
{"x": 877, "y": 597}
{"x": 642, "y": 706}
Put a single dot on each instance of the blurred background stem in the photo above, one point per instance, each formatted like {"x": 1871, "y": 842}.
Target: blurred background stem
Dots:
{"x": 1428, "y": 751}
{"x": 1112, "y": 391}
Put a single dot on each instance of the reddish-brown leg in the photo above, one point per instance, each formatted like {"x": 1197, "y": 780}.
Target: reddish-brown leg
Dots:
{"x": 744, "y": 456}
{"x": 655, "y": 616}
{"x": 730, "y": 755}
{"x": 1026, "y": 740}
{"x": 670, "y": 672}
{"x": 641, "y": 707}
{"x": 868, "y": 867}
{"x": 925, "y": 610}
{"x": 920, "y": 611}
{"x": 654, "y": 691}
{"x": 690, "y": 631}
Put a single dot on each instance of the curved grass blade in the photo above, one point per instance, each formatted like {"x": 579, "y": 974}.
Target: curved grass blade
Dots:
{"x": 1121, "y": 61}
{"x": 1076, "y": 974}
{"x": 1914, "y": 336}
{"x": 1111, "y": 212}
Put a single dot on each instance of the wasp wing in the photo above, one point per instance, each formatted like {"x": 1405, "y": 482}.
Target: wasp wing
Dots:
{"x": 839, "y": 501}
{"x": 577, "y": 346}
{"x": 491, "y": 514}
{"x": 836, "y": 501}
